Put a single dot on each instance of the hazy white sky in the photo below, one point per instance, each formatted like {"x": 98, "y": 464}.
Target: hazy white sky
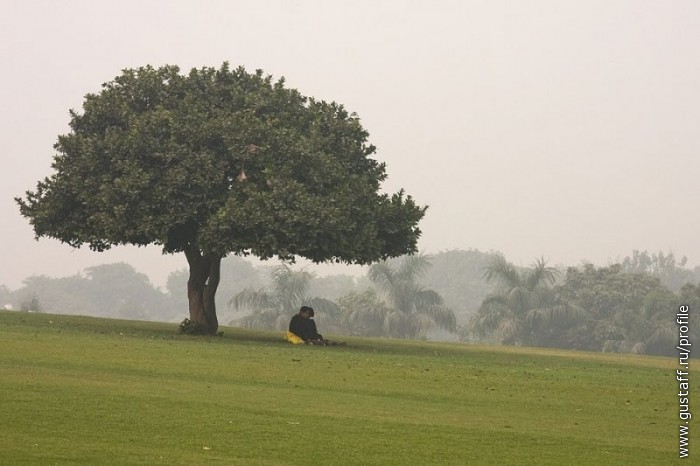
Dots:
{"x": 563, "y": 129}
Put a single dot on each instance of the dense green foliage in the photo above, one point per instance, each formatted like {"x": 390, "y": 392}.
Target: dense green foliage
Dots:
{"x": 80, "y": 390}
{"x": 214, "y": 162}
{"x": 624, "y": 312}
{"x": 158, "y": 157}
{"x": 591, "y": 308}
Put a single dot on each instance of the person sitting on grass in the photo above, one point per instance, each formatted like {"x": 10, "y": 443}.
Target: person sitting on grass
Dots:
{"x": 303, "y": 326}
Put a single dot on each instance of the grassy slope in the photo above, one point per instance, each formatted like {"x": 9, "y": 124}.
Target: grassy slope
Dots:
{"x": 77, "y": 390}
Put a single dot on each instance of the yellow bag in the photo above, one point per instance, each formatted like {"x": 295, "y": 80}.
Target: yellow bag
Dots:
{"x": 293, "y": 338}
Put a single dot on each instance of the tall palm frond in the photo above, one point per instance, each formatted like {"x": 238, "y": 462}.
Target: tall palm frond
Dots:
{"x": 411, "y": 309}
{"x": 412, "y": 267}
{"x": 503, "y": 273}
{"x": 397, "y": 324}
{"x": 261, "y": 318}
{"x": 540, "y": 275}
{"x": 440, "y": 316}
{"x": 424, "y": 298}
{"x": 553, "y": 315}
{"x": 382, "y": 275}
{"x": 512, "y": 330}
{"x": 492, "y": 311}
{"x": 520, "y": 299}
{"x": 399, "y": 279}
{"x": 250, "y": 299}
{"x": 523, "y": 309}
{"x": 387, "y": 280}
{"x": 367, "y": 321}
{"x": 422, "y": 324}
{"x": 363, "y": 313}
{"x": 290, "y": 287}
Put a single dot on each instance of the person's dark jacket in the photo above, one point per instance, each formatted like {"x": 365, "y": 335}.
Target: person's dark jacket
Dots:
{"x": 304, "y": 328}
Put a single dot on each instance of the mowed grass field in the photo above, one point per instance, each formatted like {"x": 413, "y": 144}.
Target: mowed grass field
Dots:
{"x": 78, "y": 390}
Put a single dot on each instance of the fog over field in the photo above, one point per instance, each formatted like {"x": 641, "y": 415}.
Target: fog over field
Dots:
{"x": 567, "y": 130}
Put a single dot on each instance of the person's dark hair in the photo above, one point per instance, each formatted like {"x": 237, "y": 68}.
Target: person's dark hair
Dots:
{"x": 308, "y": 309}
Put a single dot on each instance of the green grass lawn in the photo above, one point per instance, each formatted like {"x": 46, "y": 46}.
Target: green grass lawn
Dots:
{"x": 78, "y": 390}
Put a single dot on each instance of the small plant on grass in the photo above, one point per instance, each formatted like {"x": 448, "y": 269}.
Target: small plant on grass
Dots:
{"x": 191, "y": 327}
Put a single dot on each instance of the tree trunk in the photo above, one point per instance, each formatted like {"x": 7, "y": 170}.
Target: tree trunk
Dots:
{"x": 201, "y": 289}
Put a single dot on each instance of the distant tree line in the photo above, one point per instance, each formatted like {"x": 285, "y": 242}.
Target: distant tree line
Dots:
{"x": 462, "y": 295}
{"x": 624, "y": 307}
{"x": 111, "y": 290}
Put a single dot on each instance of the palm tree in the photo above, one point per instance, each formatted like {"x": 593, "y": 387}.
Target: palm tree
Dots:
{"x": 523, "y": 310}
{"x": 272, "y": 308}
{"x": 363, "y": 313}
{"x": 409, "y": 309}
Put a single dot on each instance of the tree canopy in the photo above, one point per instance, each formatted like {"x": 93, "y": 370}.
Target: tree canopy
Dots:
{"x": 218, "y": 162}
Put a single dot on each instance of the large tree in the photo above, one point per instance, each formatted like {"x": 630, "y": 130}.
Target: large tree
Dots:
{"x": 217, "y": 162}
